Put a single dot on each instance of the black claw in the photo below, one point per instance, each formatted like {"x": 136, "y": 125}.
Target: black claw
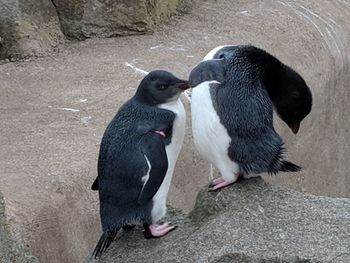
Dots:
{"x": 172, "y": 229}
{"x": 240, "y": 178}
{"x": 128, "y": 228}
{"x": 211, "y": 189}
{"x": 147, "y": 233}
{"x": 211, "y": 184}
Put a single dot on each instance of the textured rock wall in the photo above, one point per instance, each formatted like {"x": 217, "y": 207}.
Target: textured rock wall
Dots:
{"x": 82, "y": 19}
{"x": 33, "y": 28}
{"x": 28, "y": 28}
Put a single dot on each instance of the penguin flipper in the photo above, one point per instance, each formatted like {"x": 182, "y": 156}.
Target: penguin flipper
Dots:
{"x": 95, "y": 185}
{"x": 153, "y": 148}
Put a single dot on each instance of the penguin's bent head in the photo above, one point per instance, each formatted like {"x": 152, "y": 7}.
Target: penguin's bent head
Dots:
{"x": 159, "y": 87}
{"x": 287, "y": 90}
{"x": 292, "y": 99}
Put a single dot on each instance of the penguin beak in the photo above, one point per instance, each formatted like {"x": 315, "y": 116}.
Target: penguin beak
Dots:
{"x": 294, "y": 127}
{"x": 184, "y": 85}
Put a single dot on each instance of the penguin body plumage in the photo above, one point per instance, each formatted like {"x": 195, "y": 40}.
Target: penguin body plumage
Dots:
{"x": 137, "y": 156}
{"x": 232, "y": 111}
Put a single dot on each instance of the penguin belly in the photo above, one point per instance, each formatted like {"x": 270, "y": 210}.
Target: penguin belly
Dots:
{"x": 210, "y": 136}
{"x": 172, "y": 151}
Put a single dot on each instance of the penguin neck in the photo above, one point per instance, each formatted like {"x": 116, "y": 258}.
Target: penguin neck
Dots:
{"x": 272, "y": 74}
{"x": 242, "y": 76}
{"x": 143, "y": 98}
{"x": 268, "y": 69}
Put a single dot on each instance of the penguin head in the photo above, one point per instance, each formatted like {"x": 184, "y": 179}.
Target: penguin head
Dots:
{"x": 292, "y": 99}
{"x": 226, "y": 52}
{"x": 159, "y": 87}
{"x": 213, "y": 66}
{"x": 287, "y": 90}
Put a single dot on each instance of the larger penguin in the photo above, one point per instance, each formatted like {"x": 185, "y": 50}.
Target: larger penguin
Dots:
{"x": 232, "y": 111}
{"x": 137, "y": 157}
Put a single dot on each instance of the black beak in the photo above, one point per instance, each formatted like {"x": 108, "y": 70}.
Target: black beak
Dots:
{"x": 294, "y": 127}
{"x": 184, "y": 85}
{"x": 208, "y": 70}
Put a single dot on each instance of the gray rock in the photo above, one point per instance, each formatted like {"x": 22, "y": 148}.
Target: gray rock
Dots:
{"x": 28, "y": 27}
{"x": 251, "y": 221}
{"x": 82, "y": 19}
{"x": 11, "y": 250}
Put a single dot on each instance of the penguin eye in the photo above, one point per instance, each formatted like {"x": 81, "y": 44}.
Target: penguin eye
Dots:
{"x": 161, "y": 87}
{"x": 222, "y": 56}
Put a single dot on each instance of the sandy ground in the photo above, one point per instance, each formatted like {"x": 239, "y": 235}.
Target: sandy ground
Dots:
{"x": 53, "y": 111}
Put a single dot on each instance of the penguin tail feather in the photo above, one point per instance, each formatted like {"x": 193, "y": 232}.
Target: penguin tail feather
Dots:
{"x": 280, "y": 165}
{"x": 289, "y": 167}
{"x": 104, "y": 242}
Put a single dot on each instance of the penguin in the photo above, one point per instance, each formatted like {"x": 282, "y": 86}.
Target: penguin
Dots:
{"x": 137, "y": 157}
{"x": 235, "y": 91}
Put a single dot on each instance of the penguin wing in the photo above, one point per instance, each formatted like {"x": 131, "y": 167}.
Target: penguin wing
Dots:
{"x": 153, "y": 148}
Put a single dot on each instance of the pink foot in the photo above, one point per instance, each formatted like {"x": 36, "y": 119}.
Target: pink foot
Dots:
{"x": 219, "y": 186}
{"x": 158, "y": 227}
{"x": 217, "y": 181}
{"x": 220, "y": 182}
{"x": 156, "y": 230}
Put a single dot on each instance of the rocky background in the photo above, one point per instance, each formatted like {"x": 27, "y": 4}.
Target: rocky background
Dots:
{"x": 35, "y": 27}
{"x": 81, "y": 19}
{"x": 28, "y": 28}
{"x": 54, "y": 109}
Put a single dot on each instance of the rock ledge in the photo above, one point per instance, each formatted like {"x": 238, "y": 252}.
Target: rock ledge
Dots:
{"x": 252, "y": 221}
{"x": 11, "y": 250}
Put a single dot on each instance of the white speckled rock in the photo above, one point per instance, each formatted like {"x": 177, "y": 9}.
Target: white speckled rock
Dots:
{"x": 11, "y": 251}
{"x": 251, "y": 221}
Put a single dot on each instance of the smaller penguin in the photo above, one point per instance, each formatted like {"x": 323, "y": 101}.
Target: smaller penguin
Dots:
{"x": 137, "y": 157}
{"x": 235, "y": 89}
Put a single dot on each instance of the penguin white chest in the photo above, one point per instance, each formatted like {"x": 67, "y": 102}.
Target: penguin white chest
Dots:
{"x": 172, "y": 151}
{"x": 210, "y": 136}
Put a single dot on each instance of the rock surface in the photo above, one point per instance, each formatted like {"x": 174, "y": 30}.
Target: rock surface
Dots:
{"x": 28, "y": 27}
{"x": 10, "y": 250}
{"x": 252, "y": 221}
{"x": 82, "y": 19}
{"x": 33, "y": 28}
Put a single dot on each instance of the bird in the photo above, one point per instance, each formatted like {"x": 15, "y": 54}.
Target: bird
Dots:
{"x": 235, "y": 89}
{"x": 137, "y": 156}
